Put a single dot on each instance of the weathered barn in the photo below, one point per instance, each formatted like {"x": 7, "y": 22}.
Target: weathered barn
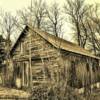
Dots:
{"x": 41, "y": 58}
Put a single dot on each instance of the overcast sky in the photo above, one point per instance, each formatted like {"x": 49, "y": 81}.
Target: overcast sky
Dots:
{"x": 13, "y": 5}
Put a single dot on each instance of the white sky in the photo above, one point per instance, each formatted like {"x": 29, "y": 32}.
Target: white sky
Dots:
{"x": 14, "y": 5}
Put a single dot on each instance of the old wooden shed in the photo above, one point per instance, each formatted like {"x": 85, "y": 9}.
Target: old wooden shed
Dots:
{"x": 41, "y": 58}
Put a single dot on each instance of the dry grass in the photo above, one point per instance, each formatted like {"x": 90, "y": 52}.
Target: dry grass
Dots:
{"x": 9, "y": 93}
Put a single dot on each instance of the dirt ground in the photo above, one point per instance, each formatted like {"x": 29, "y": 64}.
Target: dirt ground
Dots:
{"x": 12, "y": 94}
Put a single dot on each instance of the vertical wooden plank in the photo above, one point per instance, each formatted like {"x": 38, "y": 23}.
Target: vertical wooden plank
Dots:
{"x": 22, "y": 74}
{"x": 27, "y": 76}
{"x": 30, "y": 69}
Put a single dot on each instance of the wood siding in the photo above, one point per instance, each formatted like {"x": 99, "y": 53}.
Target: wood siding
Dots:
{"x": 49, "y": 64}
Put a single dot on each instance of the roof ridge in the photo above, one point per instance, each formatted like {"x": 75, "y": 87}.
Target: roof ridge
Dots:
{"x": 58, "y": 42}
{"x": 41, "y": 32}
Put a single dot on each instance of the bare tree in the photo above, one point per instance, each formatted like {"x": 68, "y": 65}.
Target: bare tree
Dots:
{"x": 24, "y": 16}
{"x": 85, "y": 20}
{"x": 76, "y": 11}
{"x": 34, "y": 14}
{"x": 94, "y": 16}
{"x": 55, "y": 20}
{"x": 7, "y": 27}
{"x": 93, "y": 26}
{"x": 39, "y": 11}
